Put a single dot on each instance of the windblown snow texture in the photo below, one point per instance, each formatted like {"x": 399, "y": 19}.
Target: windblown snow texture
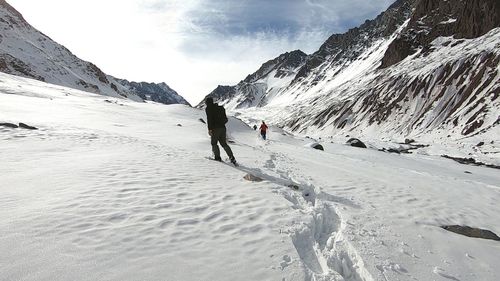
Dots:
{"x": 111, "y": 189}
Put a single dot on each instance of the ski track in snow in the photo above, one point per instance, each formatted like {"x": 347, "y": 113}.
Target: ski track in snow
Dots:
{"x": 322, "y": 243}
{"x": 319, "y": 242}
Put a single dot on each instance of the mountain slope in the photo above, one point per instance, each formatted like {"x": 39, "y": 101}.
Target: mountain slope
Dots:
{"x": 439, "y": 83}
{"x": 157, "y": 92}
{"x": 422, "y": 68}
{"x": 26, "y": 52}
{"x": 257, "y": 88}
{"x": 340, "y": 51}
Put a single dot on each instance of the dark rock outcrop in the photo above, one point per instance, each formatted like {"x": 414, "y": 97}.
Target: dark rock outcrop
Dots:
{"x": 157, "y": 92}
{"x": 471, "y": 232}
{"x": 318, "y": 147}
{"x": 478, "y": 17}
{"x": 222, "y": 92}
{"x": 346, "y": 46}
{"x": 356, "y": 143}
{"x": 12, "y": 65}
{"x": 250, "y": 89}
{"x": 409, "y": 141}
{"x": 8, "y": 125}
{"x": 432, "y": 19}
{"x": 28, "y": 127}
{"x": 470, "y": 161}
{"x": 21, "y": 125}
{"x": 281, "y": 64}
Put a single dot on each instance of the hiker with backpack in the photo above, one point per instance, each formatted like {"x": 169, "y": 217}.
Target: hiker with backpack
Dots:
{"x": 263, "y": 130}
{"x": 216, "y": 122}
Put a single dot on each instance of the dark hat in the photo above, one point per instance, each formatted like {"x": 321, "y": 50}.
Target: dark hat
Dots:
{"x": 209, "y": 100}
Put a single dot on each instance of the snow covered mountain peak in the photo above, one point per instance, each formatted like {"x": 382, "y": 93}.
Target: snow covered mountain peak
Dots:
{"x": 337, "y": 52}
{"x": 427, "y": 69}
{"x": 26, "y": 52}
{"x": 281, "y": 66}
{"x": 257, "y": 88}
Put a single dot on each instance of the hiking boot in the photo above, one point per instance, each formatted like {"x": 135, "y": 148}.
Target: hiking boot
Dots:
{"x": 233, "y": 160}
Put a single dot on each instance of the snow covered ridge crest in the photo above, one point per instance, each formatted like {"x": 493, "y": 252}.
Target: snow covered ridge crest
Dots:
{"x": 26, "y": 52}
{"x": 419, "y": 69}
{"x": 259, "y": 87}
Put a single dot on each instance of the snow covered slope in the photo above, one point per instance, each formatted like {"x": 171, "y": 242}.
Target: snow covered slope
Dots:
{"x": 423, "y": 69}
{"x": 340, "y": 51}
{"x": 26, "y": 52}
{"x": 261, "y": 86}
{"x": 110, "y": 189}
{"x": 160, "y": 93}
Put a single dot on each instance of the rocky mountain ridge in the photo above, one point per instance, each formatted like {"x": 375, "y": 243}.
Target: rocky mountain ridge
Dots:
{"x": 421, "y": 68}
{"x": 256, "y": 87}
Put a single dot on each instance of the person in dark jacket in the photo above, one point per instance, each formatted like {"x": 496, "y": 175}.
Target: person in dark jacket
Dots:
{"x": 263, "y": 130}
{"x": 216, "y": 122}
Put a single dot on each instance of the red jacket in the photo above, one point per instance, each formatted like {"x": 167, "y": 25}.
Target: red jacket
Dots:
{"x": 263, "y": 128}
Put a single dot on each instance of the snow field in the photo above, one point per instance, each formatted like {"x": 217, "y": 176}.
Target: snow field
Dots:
{"x": 119, "y": 191}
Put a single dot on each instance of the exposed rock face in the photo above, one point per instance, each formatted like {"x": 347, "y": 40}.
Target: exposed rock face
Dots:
{"x": 433, "y": 79}
{"x": 340, "y": 48}
{"x": 18, "y": 18}
{"x": 221, "y": 93}
{"x": 26, "y": 52}
{"x": 282, "y": 64}
{"x": 432, "y": 19}
{"x": 11, "y": 65}
{"x": 478, "y": 17}
{"x": 160, "y": 93}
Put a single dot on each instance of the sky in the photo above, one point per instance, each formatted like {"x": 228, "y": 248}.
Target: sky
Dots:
{"x": 192, "y": 45}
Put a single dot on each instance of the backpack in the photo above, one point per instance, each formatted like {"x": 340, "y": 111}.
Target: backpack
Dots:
{"x": 221, "y": 114}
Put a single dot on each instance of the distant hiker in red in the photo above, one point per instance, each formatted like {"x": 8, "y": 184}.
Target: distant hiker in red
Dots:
{"x": 263, "y": 130}
{"x": 216, "y": 121}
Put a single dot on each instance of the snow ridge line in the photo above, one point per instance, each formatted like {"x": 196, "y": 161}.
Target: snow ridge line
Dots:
{"x": 321, "y": 244}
